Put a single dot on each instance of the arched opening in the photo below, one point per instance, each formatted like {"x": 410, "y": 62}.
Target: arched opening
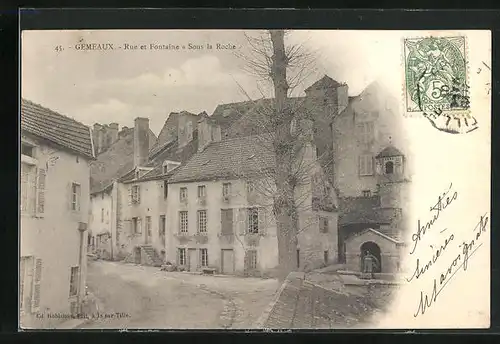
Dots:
{"x": 389, "y": 167}
{"x": 373, "y": 249}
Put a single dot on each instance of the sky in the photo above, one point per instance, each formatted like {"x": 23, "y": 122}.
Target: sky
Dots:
{"x": 120, "y": 85}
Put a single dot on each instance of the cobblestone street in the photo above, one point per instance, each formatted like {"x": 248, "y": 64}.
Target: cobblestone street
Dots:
{"x": 147, "y": 298}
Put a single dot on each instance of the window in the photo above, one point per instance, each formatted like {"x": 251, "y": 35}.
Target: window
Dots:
{"x": 183, "y": 221}
{"x": 75, "y": 197}
{"x": 102, "y": 214}
{"x": 298, "y": 258}
{"x": 389, "y": 167}
{"x": 366, "y": 132}
{"x": 73, "y": 282}
{"x": 365, "y": 165}
{"x": 189, "y": 129}
{"x": 317, "y": 152}
{"x": 227, "y": 221}
{"x": 250, "y": 187}
{"x": 136, "y": 226}
{"x": 163, "y": 223}
{"x": 253, "y": 220}
{"x": 226, "y": 189}
{"x": 28, "y": 188}
{"x": 204, "y": 257}
{"x": 251, "y": 259}
{"x": 202, "y": 221}
{"x": 181, "y": 256}
{"x": 27, "y": 149}
{"x": 183, "y": 194}
{"x": 135, "y": 194}
{"x": 165, "y": 169}
{"x": 367, "y": 193}
{"x": 165, "y": 189}
{"x": 202, "y": 191}
{"x": 323, "y": 223}
{"x": 325, "y": 257}
{"x": 148, "y": 226}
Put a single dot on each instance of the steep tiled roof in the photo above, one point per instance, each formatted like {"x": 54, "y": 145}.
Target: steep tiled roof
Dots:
{"x": 255, "y": 120}
{"x": 389, "y": 151}
{"x": 226, "y": 114}
{"x": 358, "y": 210}
{"x": 237, "y": 157}
{"x": 324, "y": 82}
{"x": 57, "y": 128}
{"x": 301, "y": 304}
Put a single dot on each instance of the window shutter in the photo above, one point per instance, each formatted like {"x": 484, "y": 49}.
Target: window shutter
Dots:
{"x": 178, "y": 257}
{"x": 35, "y": 305}
{"x": 242, "y": 221}
{"x": 41, "y": 191}
{"x": 361, "y": 165}
{"x": 130, "y": 195}
{"x": 78, "y": 197}
{"x": 138, "y": 194}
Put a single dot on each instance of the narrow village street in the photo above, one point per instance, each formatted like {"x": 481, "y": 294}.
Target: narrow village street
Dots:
{"x": 146, "y": 297}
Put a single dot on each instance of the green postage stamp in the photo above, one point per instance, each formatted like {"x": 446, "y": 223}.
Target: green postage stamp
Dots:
{"x": 436, "y": 81}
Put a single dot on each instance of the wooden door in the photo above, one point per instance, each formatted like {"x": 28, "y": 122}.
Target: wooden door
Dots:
{"x": 227, "y": 262}
{"x": 193, "y": 261}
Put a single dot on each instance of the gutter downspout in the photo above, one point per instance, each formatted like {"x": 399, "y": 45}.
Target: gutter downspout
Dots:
{"x": 82, "y": 227}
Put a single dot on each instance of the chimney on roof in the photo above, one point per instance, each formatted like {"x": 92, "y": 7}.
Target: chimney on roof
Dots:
{"x": 208, "y": 132}
{"x": 113, "y": 132}
{"x": 141, "y": 141}
{"x": 185, "y": 127}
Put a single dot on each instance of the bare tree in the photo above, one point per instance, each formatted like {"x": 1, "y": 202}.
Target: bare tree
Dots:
{"x": 283, "y": 125}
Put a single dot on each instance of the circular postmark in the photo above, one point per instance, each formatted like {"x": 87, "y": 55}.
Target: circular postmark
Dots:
{"x": 436, "y": 82}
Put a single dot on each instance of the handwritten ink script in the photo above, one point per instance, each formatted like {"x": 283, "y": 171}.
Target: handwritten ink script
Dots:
{"x": 444, "y": 200}
{"x": 457, "y": 261}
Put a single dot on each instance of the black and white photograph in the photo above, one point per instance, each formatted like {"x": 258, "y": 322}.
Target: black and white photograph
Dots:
{"x": 254, "y": 179}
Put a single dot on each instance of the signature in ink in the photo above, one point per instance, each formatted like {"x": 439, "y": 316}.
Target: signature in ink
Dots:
{"x": 427, "y": 301}
{"x": 442, "y": 203}
{"x": 419, "y": 271}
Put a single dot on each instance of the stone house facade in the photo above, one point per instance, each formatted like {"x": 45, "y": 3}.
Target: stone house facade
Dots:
{"x": 219, "y": 210}
{"x": 372, "y": 177}
{"x": 54, "y": 212}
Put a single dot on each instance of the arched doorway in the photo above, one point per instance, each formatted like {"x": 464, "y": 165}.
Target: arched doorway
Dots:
{"x": 373, "y": 249}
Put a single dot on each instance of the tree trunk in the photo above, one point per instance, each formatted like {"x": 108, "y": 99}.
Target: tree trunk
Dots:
{"x": 284, "y": 201}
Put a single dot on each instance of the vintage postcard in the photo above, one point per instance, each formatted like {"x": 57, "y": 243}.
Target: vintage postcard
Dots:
{"x": 267, "y": 180}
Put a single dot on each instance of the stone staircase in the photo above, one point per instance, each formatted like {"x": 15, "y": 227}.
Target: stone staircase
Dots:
{"x": 149, "y": 256}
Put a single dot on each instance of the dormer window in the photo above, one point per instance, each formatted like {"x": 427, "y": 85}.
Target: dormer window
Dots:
{"x": 169, "y": 166}
{"x": 389, "y": 167}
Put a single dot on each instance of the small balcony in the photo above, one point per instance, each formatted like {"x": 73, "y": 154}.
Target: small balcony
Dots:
{"x": 226, "y": 238}
{"x": 201, "y": 238}
{"x": 253, "y": 239}
{"x": 183, "y": 237}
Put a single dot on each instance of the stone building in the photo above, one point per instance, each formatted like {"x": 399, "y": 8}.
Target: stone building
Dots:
{"x": 56, "y": 152}
{"x": 112, "y": 163}
{"x": 372, "y": 177}
{"x": 103, "y": 136}
{"x": 219, "y": 208}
